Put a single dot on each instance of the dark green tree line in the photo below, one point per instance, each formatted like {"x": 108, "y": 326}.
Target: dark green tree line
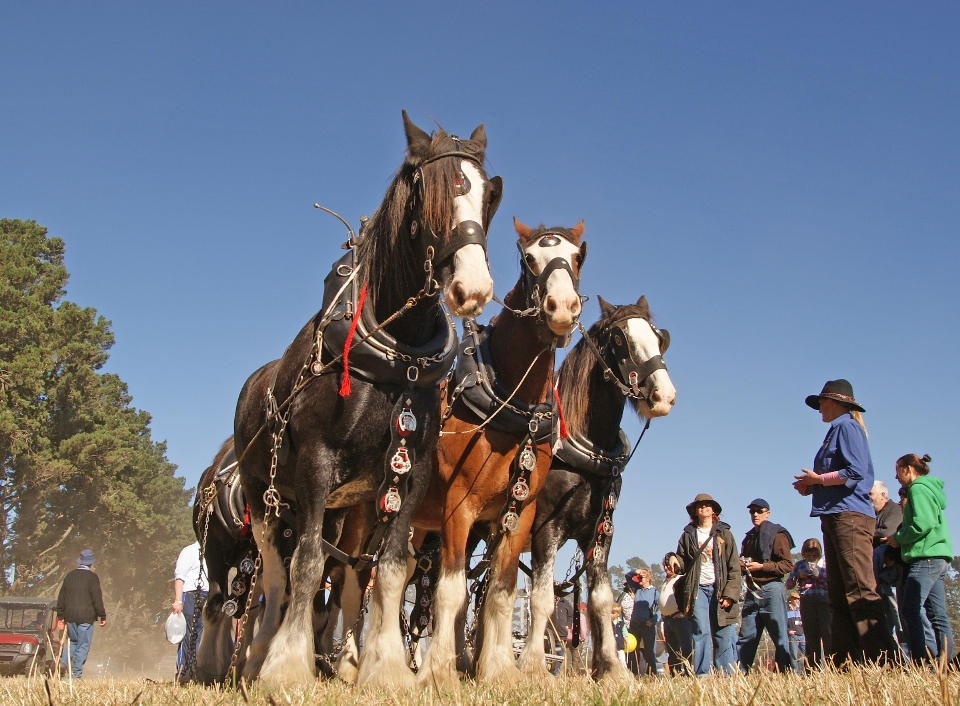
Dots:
{"x": 79, "y": 468}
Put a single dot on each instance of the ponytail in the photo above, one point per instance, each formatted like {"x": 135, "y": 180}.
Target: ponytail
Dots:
{"x": 859, "y": 420}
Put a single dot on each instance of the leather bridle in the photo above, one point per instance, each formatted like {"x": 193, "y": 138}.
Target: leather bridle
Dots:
{"x": 431, "y": 246}
{"x": 616, "y": 358}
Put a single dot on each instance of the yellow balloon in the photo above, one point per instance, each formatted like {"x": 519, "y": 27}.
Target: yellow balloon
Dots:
{"x": 629, "y": 642}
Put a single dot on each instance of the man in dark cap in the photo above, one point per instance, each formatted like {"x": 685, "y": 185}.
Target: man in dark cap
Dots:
{"x": 765, "y": 559}
{"x": 79, "y": 604}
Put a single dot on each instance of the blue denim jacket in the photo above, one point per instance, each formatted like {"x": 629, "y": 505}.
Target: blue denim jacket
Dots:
{"x": 844, "y": 449}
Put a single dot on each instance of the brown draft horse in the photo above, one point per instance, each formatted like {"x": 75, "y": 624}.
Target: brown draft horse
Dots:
{"x": 475, "y": 466}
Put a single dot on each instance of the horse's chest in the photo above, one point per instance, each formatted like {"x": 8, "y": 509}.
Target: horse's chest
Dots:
{"x": 354, "y": 492}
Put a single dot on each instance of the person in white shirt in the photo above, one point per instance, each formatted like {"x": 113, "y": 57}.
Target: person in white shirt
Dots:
{"x": 189, "y": 594}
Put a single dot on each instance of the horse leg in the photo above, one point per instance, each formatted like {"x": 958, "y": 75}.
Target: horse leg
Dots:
{"x": 216, "y": 645}
{"x": 351, "y": 600}
{"x": 449, "y": 603}
{"x": 273, "y": 584}
{"x": 606, "y": 666}
{"x": 495, "y": 661}
{"x": 333, "y": 610}
{"x": 532, "y": 659}
{"x": 290, "y": 657}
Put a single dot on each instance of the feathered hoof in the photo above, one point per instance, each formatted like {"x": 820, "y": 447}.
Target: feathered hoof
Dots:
{"x": 615, "y": 675}
{"x": 386, "y": 673}
{"x": 287, "y": 670}
{"x": 501, "y": 672}
{"x": 346, "y": 667}
{"x": 437, "y": 676}
{"x": 533, "y": 666}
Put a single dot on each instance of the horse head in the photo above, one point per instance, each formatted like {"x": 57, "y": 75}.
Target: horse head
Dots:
{"x": 452, "y": 204}
{"x": 551, "y": 261}
{"x": 633, "y": 348}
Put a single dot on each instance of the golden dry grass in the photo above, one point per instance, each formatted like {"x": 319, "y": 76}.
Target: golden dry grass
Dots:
{"x": 859, "y": 687}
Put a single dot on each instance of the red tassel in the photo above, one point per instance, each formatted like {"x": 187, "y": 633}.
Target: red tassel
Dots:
{"x": 563, "y": 426}
{"x": 345, "y": 384}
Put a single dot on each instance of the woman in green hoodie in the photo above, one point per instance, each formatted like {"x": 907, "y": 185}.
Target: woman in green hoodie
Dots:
{"x": 925, "y": 546}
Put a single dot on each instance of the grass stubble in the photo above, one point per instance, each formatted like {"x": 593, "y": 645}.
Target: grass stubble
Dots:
{"x": 858, "y": 686}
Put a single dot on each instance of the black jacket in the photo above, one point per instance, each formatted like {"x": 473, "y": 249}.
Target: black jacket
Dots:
{"x": 726, "y": 565}
{"x": 80, "y": 600}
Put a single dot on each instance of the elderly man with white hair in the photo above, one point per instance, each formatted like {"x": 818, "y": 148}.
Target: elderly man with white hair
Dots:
{"x": 889, "y": 513}
{"x": 887, "y": 565}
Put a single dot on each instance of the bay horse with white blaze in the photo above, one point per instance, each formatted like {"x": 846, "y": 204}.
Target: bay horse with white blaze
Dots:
{"x": 619, "y": 360}
{"x": 351, "y": 410}
{"x": 495, "y": 448}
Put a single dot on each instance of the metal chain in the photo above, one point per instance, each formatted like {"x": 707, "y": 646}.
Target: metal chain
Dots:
{"x": 348, "y": 633}
{"x": 231, "y": 670}
{"x": 198, "y": 604}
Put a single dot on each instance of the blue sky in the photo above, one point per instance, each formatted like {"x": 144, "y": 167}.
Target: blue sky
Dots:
{"x": 781, "y": 181}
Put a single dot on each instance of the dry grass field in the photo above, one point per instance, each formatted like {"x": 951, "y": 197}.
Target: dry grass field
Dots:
{"x": 867, "y": 686}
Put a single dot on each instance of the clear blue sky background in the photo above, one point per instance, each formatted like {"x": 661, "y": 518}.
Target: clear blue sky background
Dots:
{"x": 781, "y": 180}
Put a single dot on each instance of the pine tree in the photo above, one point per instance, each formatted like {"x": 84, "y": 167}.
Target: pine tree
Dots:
{"x": 79, "y": 467}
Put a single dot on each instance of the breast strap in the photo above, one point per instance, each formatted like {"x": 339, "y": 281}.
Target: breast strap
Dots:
{"x": 583, "y": 455}
{"x": 381, "y": 358}
{"x": 475, "y": 382}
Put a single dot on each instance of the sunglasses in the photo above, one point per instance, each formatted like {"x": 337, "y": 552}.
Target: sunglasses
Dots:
{"x": 755, "y": 511}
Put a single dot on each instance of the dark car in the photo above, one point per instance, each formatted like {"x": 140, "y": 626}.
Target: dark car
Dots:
{"x": 27, "y": 635}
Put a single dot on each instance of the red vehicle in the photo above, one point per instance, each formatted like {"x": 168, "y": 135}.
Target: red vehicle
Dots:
{"x": 28, "y": 637}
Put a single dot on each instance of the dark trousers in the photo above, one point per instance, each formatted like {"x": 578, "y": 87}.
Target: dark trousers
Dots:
{"x": 815, "y": 616}
{"x": 858, "y": 619}
{"x": 678, "y": 636}
{"x": 187, "y": 651}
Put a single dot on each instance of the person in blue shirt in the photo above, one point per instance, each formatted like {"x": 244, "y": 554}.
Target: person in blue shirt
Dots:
{"x": 643, "y": 622}
{"x": 840, "y": 485}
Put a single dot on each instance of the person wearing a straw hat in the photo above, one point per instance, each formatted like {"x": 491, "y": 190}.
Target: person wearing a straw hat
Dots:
{"x": 840, "y": 485}
{"x": 79, "y": 605}
{"x": 708, "y": 556}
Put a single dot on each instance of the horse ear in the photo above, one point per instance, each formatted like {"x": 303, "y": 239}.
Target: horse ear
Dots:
{"x": 642, "y": 301}
{"x": 418, "y": 142}
{"x": 583, "y": 253}
{"x": 479, "y": 136}
{"x": 606, "y": 308}
{"x": 577, "y": 230}
{"x": 522, "y": 230}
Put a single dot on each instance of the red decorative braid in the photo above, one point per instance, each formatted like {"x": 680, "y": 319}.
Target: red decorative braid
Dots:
{"x": 345, "y": 383}
{"x": 563, "y": 426}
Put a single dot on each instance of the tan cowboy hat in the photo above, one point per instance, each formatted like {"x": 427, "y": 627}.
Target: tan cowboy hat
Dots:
{"x": 704, "y": 498}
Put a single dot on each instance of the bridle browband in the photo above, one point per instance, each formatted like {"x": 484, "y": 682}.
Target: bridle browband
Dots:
{"x": 432, "y": 248}
{"x": 617, "y": 361}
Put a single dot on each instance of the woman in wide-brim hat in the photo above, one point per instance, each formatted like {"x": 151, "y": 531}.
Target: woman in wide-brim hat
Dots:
{"x": 709, "y": 559}
{"x": 840, "y": 485}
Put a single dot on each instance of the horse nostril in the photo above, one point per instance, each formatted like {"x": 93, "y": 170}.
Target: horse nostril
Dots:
{"x": 550, "y": 304}
{"x": 459, "y": 294}
{"x": 575, "y": 309}
{"x": 656, "y": 397}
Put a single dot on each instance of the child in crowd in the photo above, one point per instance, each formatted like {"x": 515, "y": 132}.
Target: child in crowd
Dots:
{"x": 809, "y": 577}
{"x": 619, "y": 632}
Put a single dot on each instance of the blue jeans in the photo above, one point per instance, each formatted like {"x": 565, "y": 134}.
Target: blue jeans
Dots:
{"x": 923, "y": 592}
{"x": 769, "y": 613}
{"x": 708, "y": 634}
{"x": 187, "y": 650}
{"x": 81, "y": 635}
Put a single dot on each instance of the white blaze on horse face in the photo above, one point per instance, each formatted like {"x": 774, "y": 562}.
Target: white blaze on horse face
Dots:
{"x": 471, "y": 286}
{"x": 658, "y": 388}
{"x": 561, "y": 302}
